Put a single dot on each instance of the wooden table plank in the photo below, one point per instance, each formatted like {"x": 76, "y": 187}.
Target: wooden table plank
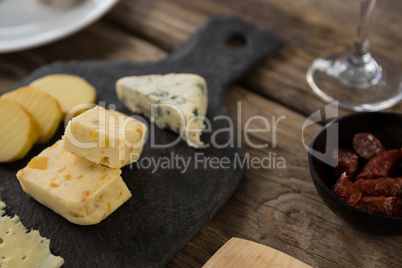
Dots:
{"x": 280, "y": 207}
{"x": 99, "y": 42}
{"x": 275, "y": 207}
{"x": 309, "y": 28}
{"x": 112, "y": 45}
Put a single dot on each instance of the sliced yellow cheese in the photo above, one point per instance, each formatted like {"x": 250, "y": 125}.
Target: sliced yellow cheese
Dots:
{"x": 18, "y": 248}
{"x": 69, "y": 90}
{"x": 83, "y": 192}
{"x": 18, "y": 131}
{"x": 2, "y": 207}
{"x": 105, "y": 137}
{"x": 41, "y": 106}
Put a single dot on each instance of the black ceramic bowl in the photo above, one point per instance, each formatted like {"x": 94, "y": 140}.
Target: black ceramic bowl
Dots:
{"x": 387, "y": 127}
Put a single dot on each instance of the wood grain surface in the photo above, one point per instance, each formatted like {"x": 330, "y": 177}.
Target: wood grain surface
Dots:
{"x": 275, "y": 207}
{"x": 241, "y": 253}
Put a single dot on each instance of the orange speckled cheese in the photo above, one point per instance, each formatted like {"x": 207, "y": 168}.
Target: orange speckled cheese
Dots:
{"x": 83, "y": 192}
{"x": 105, "y": 137}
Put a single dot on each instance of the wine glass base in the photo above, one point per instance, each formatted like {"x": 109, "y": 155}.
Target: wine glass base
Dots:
{"x": 380, "y": 89}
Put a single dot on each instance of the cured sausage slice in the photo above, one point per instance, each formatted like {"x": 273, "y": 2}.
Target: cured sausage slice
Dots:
{"x": 347, "y": 162}
{"x": 380, "y": 187}
{"x": 381, "y": 165}
{"x": 367, "y": 145}
{"x": 383, "y": 205}
{"x": 346, "y": 190}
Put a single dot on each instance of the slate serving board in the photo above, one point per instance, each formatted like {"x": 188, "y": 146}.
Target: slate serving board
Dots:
{"x": 169, "y": 206}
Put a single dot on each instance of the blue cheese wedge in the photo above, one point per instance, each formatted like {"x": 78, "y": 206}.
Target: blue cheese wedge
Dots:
{"x": 18, "y": 248}
{"x": 174, "y": 101}
{"x": 81, "y": 191}
{"x": 105, "y": 137}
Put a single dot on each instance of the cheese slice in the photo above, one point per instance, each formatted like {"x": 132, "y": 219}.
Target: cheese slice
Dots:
{"x": 42, "y": 107}
{"x": 83, "y": 192}
{"x": 18, "y": 131}
{"x": 18, "y": 248}
{"x": 70, "y": 91}
{"x": 174, "y": 101}
{"x": 105, "y": 137}
{"x": 2, "y": 207}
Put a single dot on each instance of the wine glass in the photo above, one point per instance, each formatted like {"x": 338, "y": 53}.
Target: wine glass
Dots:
{"x": 355, "y": 79}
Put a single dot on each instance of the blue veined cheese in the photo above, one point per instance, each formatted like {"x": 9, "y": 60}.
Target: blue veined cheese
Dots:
{"x": 180, "y": 102}
{"x": 18, "y": 248}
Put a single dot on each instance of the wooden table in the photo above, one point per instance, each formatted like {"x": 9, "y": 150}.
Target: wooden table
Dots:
{"x": 275, "y": 207}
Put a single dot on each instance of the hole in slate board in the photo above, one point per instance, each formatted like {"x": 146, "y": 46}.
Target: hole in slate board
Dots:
{"x": 236, "y": 40}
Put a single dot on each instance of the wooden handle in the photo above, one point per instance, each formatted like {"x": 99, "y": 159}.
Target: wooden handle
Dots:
{"x": 243, "y": 253}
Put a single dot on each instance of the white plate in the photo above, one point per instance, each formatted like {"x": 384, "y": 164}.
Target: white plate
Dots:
{"x": 29, "y": 23}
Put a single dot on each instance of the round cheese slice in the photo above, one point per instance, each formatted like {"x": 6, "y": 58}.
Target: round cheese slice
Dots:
{"x": 70, "y": 91}
{"x": 41, "y": 106}
{"x": 18, "y": 131}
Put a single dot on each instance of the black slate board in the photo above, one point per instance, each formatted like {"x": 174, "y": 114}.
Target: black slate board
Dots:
{"x": 168, "y": 207}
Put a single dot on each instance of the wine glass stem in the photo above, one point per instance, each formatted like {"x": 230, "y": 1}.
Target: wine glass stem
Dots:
{"x": 361, "y": 51}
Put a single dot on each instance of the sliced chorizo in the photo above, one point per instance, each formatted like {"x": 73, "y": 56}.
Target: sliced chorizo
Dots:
{"x": 346, "y": 190}
{"x": 383, "y": 205}
{"x": 380, "y": 187}
{"x": 347, "y": 162}
{"x": 367, "y": 145}
{"x": 381, "y": 165}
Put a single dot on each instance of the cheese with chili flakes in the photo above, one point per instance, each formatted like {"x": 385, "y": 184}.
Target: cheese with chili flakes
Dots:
{"x": 105, "y": 137}
{"x": 83, "y": 192}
